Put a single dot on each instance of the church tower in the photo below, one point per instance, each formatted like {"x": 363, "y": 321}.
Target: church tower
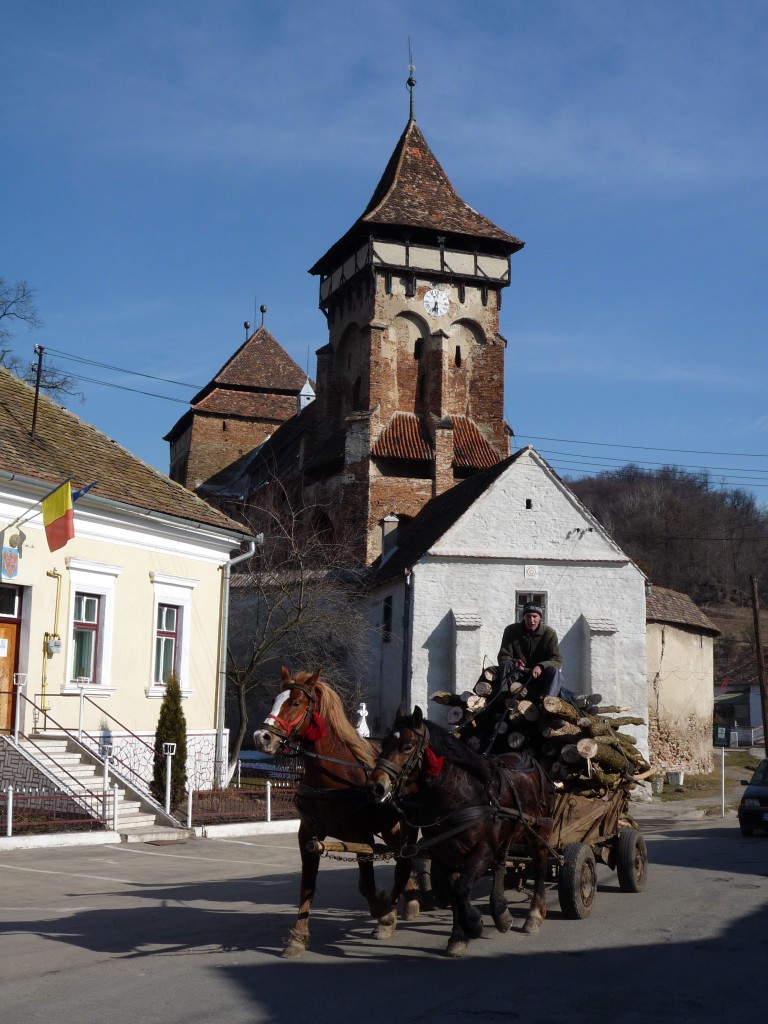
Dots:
{"x": 412, "y": 376}
{"x": 257, "y": 390}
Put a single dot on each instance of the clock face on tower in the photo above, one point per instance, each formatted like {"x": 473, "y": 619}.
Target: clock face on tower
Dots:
{"x": 436, "y": 302}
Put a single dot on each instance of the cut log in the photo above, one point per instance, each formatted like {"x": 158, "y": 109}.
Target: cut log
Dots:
{"x": 587, "y": 748}
{"x": 528, "y": 710}
{"x": 617, "y": 723}
{"x": 516, "y": 740}
{"x": 566, "y": 729}
{"x": 569, "y": 753}
{"x": 561, "y": 708}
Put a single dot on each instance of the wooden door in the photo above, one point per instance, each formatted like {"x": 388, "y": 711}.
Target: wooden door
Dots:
{"x": 9, "y": 632}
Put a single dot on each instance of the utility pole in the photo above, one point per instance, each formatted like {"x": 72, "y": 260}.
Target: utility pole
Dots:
{"x": 760, "y": 659}
{"x": 39, "y": 353}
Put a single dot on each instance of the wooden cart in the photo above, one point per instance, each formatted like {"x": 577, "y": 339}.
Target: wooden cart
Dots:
{"x": 587, "y": 830}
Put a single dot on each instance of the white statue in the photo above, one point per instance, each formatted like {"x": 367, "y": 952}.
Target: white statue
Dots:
{"x": 362, "y": 721}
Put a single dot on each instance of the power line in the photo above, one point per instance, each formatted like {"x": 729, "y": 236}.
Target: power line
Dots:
{"x": 124, "y": 387}
{"x": 645, "y": 448}
{"x": 645, "y": 462}
{"x": 120, "y": 369}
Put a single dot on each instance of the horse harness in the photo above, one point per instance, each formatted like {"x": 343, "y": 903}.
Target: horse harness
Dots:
{"x": 457, "y": 821}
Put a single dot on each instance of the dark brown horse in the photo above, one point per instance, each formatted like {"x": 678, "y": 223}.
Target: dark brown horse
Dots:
{"x": 470, "y": 809}
{"x": 332, "y": 799}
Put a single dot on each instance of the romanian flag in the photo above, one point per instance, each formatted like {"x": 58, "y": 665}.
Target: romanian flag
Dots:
{"x": 58, "y": 517}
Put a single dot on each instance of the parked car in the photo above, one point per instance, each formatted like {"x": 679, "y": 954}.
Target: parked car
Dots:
{"x": 255, "y": 765}
{"x": 753, "y": 809}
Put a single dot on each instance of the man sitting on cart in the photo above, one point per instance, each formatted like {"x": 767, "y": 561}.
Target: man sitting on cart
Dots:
{"x": 530, "y": 646}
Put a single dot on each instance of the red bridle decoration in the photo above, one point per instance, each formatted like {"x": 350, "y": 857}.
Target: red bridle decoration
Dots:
{"x": 433, "y": 764}
{"x": 315, "y": 730}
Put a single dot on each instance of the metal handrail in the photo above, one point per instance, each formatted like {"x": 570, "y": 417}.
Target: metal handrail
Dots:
{"x": 127, "y": 775}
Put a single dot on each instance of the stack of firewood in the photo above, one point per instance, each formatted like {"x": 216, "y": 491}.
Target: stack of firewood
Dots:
{"x": 582, "y": 748}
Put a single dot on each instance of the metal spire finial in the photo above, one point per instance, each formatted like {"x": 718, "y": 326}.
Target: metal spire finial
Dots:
{"x": 411, "y": 83}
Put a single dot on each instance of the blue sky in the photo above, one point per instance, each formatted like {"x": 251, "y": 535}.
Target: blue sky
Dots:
{"x": 168, "y": 166}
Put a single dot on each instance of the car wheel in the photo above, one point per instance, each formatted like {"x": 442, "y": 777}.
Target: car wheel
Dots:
{"x": 746, "y": 831}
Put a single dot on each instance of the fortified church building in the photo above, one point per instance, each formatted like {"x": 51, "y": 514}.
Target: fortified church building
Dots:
{"x": 410, "y": 386}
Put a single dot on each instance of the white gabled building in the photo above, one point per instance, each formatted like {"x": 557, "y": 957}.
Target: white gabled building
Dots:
{"x": 461, "y": 570}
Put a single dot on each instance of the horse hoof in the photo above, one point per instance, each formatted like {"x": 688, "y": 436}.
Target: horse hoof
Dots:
{"x": 411, "y": 911}
{"x": 532, "y": 925}
{"x": 456, "y": 949}
{"x": 384, "y": 931}
{"x": 293, "y": 951}
{"x": 503, "y": 922}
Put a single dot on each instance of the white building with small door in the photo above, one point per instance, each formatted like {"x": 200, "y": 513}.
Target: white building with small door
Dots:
{"x": 462, "y": 570}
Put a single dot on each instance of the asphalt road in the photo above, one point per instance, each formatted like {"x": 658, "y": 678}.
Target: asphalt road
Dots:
{"x": 192, "y": 933}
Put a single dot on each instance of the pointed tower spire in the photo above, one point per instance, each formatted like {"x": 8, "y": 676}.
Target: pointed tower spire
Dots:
{"x": 411, "y": 83}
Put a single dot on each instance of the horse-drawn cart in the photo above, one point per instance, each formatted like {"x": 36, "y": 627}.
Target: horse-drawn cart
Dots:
{"x": 587, "y": 830}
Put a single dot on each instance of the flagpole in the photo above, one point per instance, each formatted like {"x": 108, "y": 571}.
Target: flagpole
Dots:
{"x": 18, "y": 520}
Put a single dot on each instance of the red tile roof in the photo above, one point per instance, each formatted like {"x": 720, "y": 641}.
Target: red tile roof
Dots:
{"x": 64, "y": 446}
{"x": 405, "y": 437}
{"x": 260, "y": 362}
{"x": 470, "y": 448}
{"x": 414, "y": 192}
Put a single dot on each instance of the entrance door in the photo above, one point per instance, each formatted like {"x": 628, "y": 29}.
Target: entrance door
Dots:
{"x": 9, "y": 632}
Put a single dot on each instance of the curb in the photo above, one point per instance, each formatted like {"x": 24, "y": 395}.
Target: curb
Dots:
{"x": 8, "y": 844}
{"x": 286, "y": 826}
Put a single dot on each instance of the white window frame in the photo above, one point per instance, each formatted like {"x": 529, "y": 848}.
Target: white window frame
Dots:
{"x": 96, "y": 578}
{"x": 175, "y": 590}
{"x": 162, "y": 636}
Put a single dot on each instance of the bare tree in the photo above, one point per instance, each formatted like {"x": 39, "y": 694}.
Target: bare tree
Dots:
{"x": 297, "y": 603}
{"x": 17, "y": 306}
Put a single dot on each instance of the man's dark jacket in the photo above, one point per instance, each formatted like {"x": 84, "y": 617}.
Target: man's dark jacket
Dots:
{"x": 539, "y": 647}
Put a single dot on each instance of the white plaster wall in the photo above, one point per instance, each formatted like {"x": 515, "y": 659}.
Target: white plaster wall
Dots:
{"x": 680, "y": 686}
{"x": 480, "y": 563}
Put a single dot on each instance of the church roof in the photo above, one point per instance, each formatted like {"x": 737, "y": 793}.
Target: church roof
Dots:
{"x": 249, "y": 384}
{"x": 405, "y": 437}
{"x": 415, "y": 192}
{"x": 262, "y": 363}
{"x": 66, "y": 447}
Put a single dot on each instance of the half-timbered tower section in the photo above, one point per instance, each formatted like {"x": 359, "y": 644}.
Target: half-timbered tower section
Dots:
{"x": 410, "y": 387}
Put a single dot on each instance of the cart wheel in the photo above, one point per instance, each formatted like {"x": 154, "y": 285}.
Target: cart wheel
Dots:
{"x": 631, "y": 860}
{"x": 577, "y": 881}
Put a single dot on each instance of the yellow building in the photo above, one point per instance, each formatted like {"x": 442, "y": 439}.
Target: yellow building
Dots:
{"x": 90, "y": 632}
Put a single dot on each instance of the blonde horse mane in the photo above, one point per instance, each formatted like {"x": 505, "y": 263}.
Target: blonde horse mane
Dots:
{"x": 331, "y": 710}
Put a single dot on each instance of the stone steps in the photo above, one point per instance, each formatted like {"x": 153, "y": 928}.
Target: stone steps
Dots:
{"x": 76, "y": 773}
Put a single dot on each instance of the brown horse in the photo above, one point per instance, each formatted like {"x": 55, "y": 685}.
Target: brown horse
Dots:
{"x": 333, "y": 799}
{"x": 470, "y": 809}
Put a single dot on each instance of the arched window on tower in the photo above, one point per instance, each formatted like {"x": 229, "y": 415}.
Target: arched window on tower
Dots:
{"x": 356, "y": 393}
